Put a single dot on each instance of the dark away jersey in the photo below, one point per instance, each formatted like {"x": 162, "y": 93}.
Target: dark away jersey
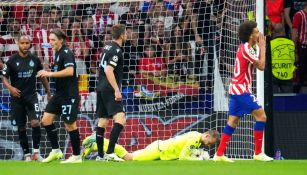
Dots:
{"x": 65, "y": 86}
{"x": 22, "y": 73}
{"x": 112, "y": 55}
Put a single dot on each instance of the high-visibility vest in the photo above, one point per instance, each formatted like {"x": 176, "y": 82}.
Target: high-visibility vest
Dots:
{"x": 283, "y": 58}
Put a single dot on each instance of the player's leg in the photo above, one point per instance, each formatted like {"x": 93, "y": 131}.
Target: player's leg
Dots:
{"x": 89, "y": 144}
{"x": 103, "y": 121}
{"x": 119, "y": 123}
{"x": 18, "y": 114}
{"x": 34, "y": 115}
{"x": 151, "y": 152}
{"x": 115, "y": 109}
{"x": 225, "y": 139}
{"x": 234, "y": 112}
{"x": 69, "y": 116}
{"x": 259, "y": 127}
{"x": 100, "y": 140}
{"x": 52, "y": 109}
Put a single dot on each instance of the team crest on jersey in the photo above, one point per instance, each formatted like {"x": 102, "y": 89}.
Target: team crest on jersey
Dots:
{"x": 251, "y": 51}
{"x": 115, "y": 58}
{"x": 192, "y": 147}
{"x": 65, "y": 50}
{"x": 4, "y": 69}
{"x": 117, "y": 50}
{"x": 17, "y": 63}
{"x": 31, "y": 63}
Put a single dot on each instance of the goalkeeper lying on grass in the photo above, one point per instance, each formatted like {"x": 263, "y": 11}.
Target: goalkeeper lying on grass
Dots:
{"x": 183, "y": 147}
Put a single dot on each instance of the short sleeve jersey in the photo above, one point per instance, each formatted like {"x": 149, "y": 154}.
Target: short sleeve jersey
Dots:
{"x": 22, "y": 73}
{"x": 112, "y": 56}
{"x": 65, "y": 86}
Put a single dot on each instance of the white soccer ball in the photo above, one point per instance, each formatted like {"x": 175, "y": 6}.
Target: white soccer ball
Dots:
{"x": 200, "y": 154}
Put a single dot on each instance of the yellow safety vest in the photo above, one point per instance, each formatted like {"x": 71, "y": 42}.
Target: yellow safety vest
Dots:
{"x": 283, "y": 58}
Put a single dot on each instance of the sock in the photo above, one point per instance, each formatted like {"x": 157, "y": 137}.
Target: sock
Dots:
{"x": 23, "y": 139}
{"x": 75, "y": 141}
{"x": 99, "y": 140}
{"x": 226, "y": 136}
{"x": 117, "y": 128}
{"x": 258, "y": 136}
{"x": 52, "y": 136}
{"x": 36, "y": 136}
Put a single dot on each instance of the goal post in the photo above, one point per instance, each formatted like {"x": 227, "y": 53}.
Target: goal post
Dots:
{"x": 178, "y": 63}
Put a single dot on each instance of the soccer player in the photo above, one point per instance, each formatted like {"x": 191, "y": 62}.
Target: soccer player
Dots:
{"x": 178, "y": 148}
{"x": 250, "y": 55}
{"x": 21, "y": 69}
{"x": 109, "y": 98}
{"x": 65, "y": 101}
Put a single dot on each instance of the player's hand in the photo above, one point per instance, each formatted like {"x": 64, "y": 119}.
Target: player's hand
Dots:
{"x": 261, "y": 40}
{"x": 118, "y": 96}
{"x": 47, "y": 67}
{"x": 43, "y": 73}
{"x": 15, "y": 92}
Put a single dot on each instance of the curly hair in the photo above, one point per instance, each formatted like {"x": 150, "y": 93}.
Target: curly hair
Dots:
{"x": 246, "y": 30}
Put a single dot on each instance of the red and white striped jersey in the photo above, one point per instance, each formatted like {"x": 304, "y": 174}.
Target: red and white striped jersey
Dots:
{"x": 41, "y": 37}
{"x": 300, "y": 23}
{"x": 102, "y": 21}
{"x": 242, "y": 78}
{"x": 8, "y": 46}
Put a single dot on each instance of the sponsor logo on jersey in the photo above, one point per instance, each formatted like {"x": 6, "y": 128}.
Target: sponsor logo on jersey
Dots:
{"x": 252, "y": 51}
{"x": 4, "y": 69}
{"x": 46, "y": 45}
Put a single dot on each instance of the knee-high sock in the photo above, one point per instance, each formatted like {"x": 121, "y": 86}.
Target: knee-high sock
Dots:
{"x": 52, "y": 136}
{"x": 117, "y": 128}
{"x": 75, "y": 141}
{"x": 118, "y": 149}
{"x": 23, "y": 139}
{"x": 258, "y": 136}
{"x": 226, "y": 136}
{"x": 36, "y": 136}
{"x": 99, "y": 140}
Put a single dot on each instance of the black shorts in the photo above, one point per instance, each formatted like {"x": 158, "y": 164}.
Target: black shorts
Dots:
{"x": 107, "y": 107}
{"x": 67, "y": 108}
{"x": 22, "y": 108}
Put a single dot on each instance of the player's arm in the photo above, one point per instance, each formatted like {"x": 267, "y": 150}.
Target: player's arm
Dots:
{"x": 67, "y": 72}
{"x": 112, "y": 62}
{"x": 111, "y": 78}
{"x": 6, "y": 73}
{"x": 260, "y": 64}
{"x": 46, "y": 86}
{"x": 187, "y": 150}
{"x": 1, "y": 63}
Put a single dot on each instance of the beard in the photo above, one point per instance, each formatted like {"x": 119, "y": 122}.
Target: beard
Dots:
{"x": 24, "y": 51}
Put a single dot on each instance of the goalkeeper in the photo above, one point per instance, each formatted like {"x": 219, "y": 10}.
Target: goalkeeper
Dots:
{"x": 180, "y": 147}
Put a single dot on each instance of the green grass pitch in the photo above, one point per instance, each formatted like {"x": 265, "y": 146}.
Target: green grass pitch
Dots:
{"x": 249, "y": 167}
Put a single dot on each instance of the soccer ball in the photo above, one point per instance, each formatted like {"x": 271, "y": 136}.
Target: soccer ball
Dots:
{"x": 200, "y": 154}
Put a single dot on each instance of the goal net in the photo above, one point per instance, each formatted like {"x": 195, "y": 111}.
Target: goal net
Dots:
{"x": 179, "y": 59}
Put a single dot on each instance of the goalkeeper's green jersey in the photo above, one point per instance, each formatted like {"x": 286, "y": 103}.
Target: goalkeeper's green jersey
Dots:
{"x": 180, "y": 147}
